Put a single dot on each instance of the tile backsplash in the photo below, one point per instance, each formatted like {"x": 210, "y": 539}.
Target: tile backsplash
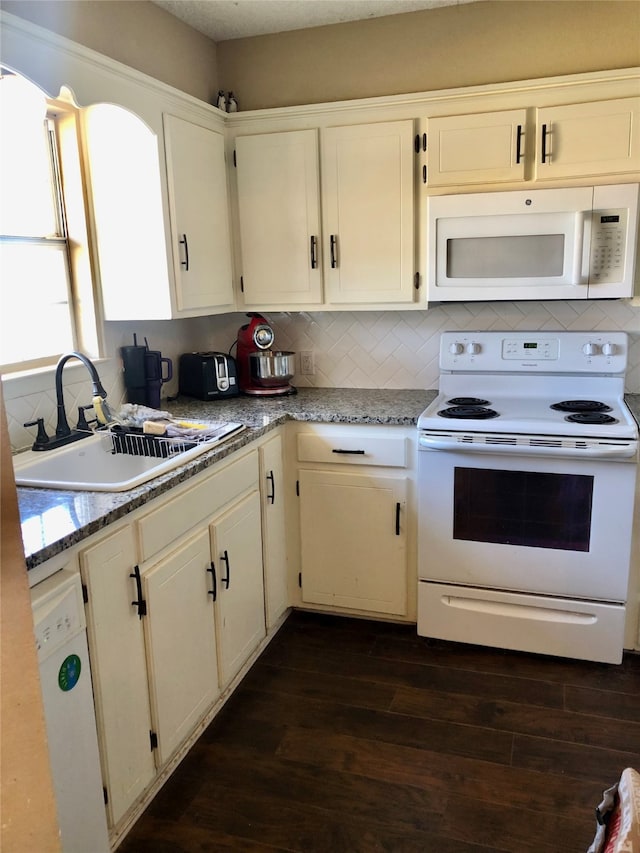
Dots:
{"x": 400, "y": 349}
{"x": 352, "y": 349}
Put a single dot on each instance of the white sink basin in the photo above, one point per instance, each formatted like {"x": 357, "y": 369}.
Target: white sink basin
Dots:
{"x": 88, "y": 465}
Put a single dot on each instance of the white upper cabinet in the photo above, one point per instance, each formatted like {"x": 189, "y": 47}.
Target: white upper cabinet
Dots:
{"x": 477, "y": 148}
{"x": 365, "y": 247}
{"x": 368, "y": 203}
{"x": 151, "y": 265}
{"x": 550, "y": 143}
{"x": 279, "y": 217}
{"x": 199, "y": 214}
{"x": 125, "y": 185}
{"x": 578, "y": 140}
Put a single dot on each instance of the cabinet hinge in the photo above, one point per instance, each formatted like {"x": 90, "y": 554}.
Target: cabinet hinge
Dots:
{"x": 153, "y": 740}
{"x": 300, "y": 579}
{"x": 105, "y": 796}
{"x": 298, "y": 488}
{"x": 235, "y": 162}
{"x": 416, "y": 281}
{"x": 241, "y": 284}
{"x": 85, "y": 593}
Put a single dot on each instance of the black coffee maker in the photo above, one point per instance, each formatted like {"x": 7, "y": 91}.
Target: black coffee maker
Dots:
{"x": 143, "y": 373}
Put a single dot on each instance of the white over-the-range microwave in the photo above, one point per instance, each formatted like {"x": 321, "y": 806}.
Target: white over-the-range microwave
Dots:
{"x": 564, "y": 243}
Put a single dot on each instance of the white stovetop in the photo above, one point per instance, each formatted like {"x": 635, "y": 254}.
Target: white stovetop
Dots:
{"x": 530, "y": 414}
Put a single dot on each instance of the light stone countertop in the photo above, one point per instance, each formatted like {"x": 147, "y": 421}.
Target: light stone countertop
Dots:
{"x": 54, "y": 520}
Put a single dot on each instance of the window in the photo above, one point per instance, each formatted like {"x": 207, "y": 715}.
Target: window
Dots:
{"x": 39, "y": 300}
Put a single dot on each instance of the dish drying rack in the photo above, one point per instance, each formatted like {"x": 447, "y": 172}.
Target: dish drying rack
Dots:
{"x": 133, "y": 442}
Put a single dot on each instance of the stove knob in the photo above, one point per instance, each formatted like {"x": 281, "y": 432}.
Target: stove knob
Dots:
{"x": 609, "y": 348}
{"x": 473, "y": 349}
{"x": 590, "y": 348}
{"x": 456, "y": 349}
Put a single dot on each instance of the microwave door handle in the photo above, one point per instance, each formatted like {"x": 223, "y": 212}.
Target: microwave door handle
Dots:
{"x": 587, "y": 232}
{"x": 580, "y": 259}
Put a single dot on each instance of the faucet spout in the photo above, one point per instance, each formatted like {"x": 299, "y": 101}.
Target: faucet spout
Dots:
{"x": 62, "y": 429}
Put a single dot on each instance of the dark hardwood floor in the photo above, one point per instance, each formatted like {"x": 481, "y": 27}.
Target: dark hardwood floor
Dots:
{"x": 358, "y": 736}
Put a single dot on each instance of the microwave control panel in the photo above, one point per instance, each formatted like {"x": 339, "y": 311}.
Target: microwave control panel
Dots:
{"x": 608, "y": 246}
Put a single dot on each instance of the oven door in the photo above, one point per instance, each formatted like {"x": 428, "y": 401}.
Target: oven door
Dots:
{"x": 549, "y": 526}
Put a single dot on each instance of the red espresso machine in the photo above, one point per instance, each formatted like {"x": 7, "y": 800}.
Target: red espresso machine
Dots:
{"x": 262, "y": 371}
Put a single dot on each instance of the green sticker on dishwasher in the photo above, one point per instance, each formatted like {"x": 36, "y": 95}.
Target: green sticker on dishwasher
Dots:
{"x": 69, "y": 673}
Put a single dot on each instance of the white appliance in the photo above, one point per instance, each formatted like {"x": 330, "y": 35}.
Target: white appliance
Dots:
{"x": 565, "y": 243}
{"x": 527, "y": 468}
{"x": 61, "y": 638}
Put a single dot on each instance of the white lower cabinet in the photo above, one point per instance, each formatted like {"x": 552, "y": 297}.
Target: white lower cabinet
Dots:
{"x": 274, "y": 534}
{"x": 175, "y": 608}
{"x": 353, "y": 540}
{"x": 181, "y": 643}
{"x": 182, "y": 593}
{"x": 355, "y": 518}
{"x": 119, "y": 670}
{"x": 236, "y": 547}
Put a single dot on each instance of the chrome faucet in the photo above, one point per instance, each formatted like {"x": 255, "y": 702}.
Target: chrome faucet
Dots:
{"x": 64, "y": 433}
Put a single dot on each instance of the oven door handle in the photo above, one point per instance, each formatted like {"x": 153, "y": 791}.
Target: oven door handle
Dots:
{"x": 587, "y": 448}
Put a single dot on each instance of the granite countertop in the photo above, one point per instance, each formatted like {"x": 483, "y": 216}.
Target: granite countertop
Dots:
{"x": 53, "y": 520}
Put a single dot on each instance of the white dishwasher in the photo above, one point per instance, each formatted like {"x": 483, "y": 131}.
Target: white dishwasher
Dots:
{"x": 61, "y": 638}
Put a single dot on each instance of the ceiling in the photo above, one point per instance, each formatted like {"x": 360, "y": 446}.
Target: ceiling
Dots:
{"x": 222, "y": 20}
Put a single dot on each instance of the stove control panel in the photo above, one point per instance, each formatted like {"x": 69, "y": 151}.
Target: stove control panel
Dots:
{"x": 531, "y": 352}
{"x": 532, "y": 348}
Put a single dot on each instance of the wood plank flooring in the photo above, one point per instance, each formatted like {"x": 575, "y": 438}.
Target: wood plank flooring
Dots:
{"x": 351, "y": 736}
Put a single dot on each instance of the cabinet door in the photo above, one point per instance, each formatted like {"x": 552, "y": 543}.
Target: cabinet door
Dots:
{"x": 126, "y": 182}
{"x": 353, "y": 533}
{"x": 199, "y": 216}
{"x": 119, "y": 670}
{"x": 274, "y": 538}
{"x": 237, "y": 552}
{"x": 368, "y": 204}
{"x": 181, "y": 642}
{"x": 589, "y": 139}
{"x": 279, "y": 214}
{"x": 478, "y": 148}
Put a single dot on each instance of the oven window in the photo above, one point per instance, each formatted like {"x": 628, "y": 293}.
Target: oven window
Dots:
{"x": 523, "y": 508}
{"x": 520, "y": 256}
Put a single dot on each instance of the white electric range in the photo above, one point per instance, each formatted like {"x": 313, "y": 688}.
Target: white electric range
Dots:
{"x": 526, "y": 489}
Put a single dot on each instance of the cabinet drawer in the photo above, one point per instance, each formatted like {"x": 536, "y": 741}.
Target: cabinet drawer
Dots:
{"x": 175, "y": 517}
{"x": 348, "y": 449}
